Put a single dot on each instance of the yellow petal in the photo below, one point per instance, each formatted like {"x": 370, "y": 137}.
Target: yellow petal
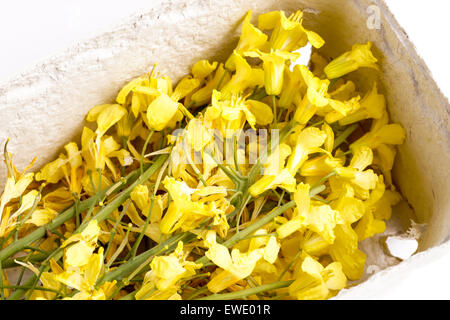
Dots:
{"x": 161, "y": 111}
{"x": 359, "y": 56}
{"x": 362, "y": 158}
{"x": 373, "y": 105}
{"x": 251, "y": 37}
{"x": 42, "y": 216}
{"x": 369, "y": 226}
{"x": 323, "y": 220}
{"x": 78, "y": 255}
{"x": 308, "y": 141}
{"x": 52, "y": 172}
{"x": 109, "y": 117}
{"x": 93, "y": 269}
{"x": 203, "y": 68}
{"x": 334, "y": 277}
{"x": 184, "y": 87}
{"x": 123, "y": 93}
{"x": 262, "y": 112}
{"x": 283, "y": 180}
{"x": 345, "y": 250}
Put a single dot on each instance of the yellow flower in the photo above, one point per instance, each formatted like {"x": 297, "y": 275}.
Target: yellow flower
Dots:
{"x": 362, "y": 180}
{"x": 314, "y": 282}
{"x": 106, "y": 116}
{"x": 78, "y": 254}
{"x": 203, "y": 68}
{"x": 182, "y": 211}
{"x": 97, "y": 154}
{"x": 229, "y": 115}
{"x": 382, "y": 209}
{"x": 316, "y": 96}
{"x": 298, "y": 221}
{"x": 314, "y": 244}
{"x": 42, "y": 216}
{"x": 125, "y": 91}
{"x": 359, "y": 56}
{"x": 14, "y": 188}
{"x": 244, "y": 77}
{"x": 273, "y": 64}
{"x": 288, "y": 34}
{"x": 262, "y": 112}
{"x": 165, "y": 274}
{"x": 369, "y": 226}
{"x": 341, "y": 108}
{"x": 384, "y": 159}
{"x": 329, "y": 140}
{"x": 362, "y": 158}
{"x": 84, "y": 279}
{"x": 184, "y": 87}
{"x": 322, "y": 219}
{"x": 350, "y": 208}
{"x": 372, "y": 106}
{"x": 293, "y": 87}
{"x": 320, "y": 166}
{"x": 283, "y": 180}
{"x": 386, "y": 134}
{"x": 165, "y": 111}
{"x": 276, "y": 160}
{"x": 161, "y": 111}
{"x": 308, "y": 141}
{"x": 251, "y": 37}
{"x": 203, "y": 95}
{"x": 27, "y": 202}
{"x": 345, "y": 250}
{"x": 238, "y": 265}
{"x": 52, "y": 172}
{"x": 198, "y": 134}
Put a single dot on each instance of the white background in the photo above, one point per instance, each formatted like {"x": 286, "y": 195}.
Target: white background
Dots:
{"x": 30, "y": 31}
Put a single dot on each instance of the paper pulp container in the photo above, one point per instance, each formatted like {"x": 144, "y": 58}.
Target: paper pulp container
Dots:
{"x": 44, "y": 108}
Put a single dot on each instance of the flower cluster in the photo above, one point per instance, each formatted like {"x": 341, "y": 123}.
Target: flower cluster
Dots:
{"x": 164, "y": 197}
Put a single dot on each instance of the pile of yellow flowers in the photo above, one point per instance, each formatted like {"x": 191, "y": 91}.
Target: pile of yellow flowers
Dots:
{"x": 250, "y": 179}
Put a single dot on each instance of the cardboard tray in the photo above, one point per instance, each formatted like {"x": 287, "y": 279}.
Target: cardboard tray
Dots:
{"x": 43, "y": 109}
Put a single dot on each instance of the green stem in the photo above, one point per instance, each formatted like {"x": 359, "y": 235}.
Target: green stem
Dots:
{"x": 284, "y": 133}
{"x": 290, "y": 265}
{"x": 197, "y": 293}
{"x": 235, "y": 155}
{"x": 344, "y": 135}
{"x": 141, "y": 235}
{"x": 77, "y": 212}
{"x": 29, "y": 287}
{"x": 68, "y": 214}
{"x": 128, "y": 267}
{"x": 225, "y": 72}
{"x": 10, "y": 263}
{"x": 244, "y": 203}
{"x": 258, "y": 95}
{"x": 119, "y": 249}
{"x": 141, "y": 161}
{"x": 100, "y": 216}
{"x": 124, "y": 195}
{"x": 114, "y": 232}
{"x": 322, "y": 180}
{"x": 248, "y": 292}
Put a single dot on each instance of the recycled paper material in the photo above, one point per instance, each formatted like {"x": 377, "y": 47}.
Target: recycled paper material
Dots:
{"x": 43, "y": 109}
